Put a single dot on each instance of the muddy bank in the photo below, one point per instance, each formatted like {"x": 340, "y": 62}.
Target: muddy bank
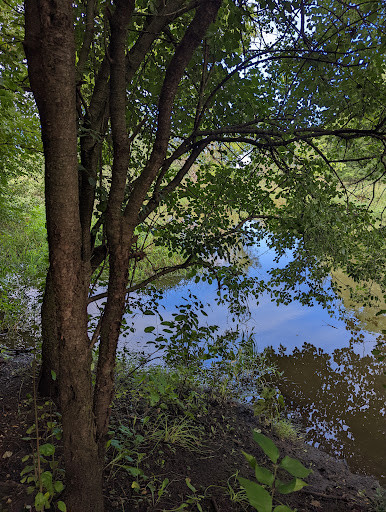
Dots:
{"x": 211, "y": 466}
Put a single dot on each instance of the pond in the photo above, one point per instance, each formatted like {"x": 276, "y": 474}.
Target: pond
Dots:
{"x": 332, "y": 383}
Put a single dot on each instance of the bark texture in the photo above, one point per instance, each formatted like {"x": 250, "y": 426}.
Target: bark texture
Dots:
{"x": 48, "y": 386}
{"x": 50, "y": 50}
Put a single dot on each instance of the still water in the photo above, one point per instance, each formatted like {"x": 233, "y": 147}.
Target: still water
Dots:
{"x": 332, "y": 383}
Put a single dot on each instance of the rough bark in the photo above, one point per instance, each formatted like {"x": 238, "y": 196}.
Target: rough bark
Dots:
{"x": 50, "y": 50}
{"x": 50, "y": 343}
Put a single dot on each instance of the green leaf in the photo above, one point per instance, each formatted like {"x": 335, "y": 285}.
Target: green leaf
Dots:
{"x": 46, "y": 479}
{"x": 163, "y": 487}
{"x": 267, "y": 445}
{"x": 250, "y": 459}
{"x": 41, "y": 500}
{"x": 294, "y": 467}
{"x": 264, "y": 476}
{"x": 62, "y": 506}
{"x": 31, "y": 429}
{"x": 47, "y": 449}
{"x": 134, "y": 471}
{"x": 258, "y": 497}
{"x": 58, "y": 486}
{"x": 150, "y": 328}
{"x": 191, "y": 487}
{"x": 292, "y": 486}
{"x": 53, "y": 375}
{"x": 154, "y": 398}
{"x": 27, "y": 469}
{"x": 282, "y": 508}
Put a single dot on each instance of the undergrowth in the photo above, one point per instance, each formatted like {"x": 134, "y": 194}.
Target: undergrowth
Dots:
{"x": 24, "y": 251}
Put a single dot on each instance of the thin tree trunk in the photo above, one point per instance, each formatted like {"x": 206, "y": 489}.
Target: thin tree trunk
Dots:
{"x": 48, "y": 382}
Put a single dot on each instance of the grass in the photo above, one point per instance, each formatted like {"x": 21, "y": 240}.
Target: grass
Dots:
{"x": 285, "y": 430}
{"x": 159, "y": 412}
{"x": 378, "y": 503}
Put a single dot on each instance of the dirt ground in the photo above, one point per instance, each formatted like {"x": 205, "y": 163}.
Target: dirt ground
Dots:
{"x": 174, "y": 477}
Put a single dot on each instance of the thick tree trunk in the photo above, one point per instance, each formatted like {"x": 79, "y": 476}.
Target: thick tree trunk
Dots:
{"x": 84, "y": 467}
{"x": 50, "y": 49}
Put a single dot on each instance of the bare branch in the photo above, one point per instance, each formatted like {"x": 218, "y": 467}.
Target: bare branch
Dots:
{"x": 87, "y": 38}
{"x": 160, "y": 273}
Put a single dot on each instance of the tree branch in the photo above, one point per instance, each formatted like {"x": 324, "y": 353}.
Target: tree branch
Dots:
{"x": 160, "y": 273}
{"x": 87, "y": 38}
{"x": 205, "y": 15}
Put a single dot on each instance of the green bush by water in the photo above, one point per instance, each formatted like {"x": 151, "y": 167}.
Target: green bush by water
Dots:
{"x": 24, "y": 250}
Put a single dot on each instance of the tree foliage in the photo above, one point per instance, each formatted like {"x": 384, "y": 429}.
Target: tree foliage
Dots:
{"x": 195, "y": 122}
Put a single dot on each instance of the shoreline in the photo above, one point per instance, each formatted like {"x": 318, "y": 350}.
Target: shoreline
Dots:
{"x": 226, "y": 429}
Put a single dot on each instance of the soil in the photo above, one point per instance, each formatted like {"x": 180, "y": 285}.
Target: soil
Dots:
{"x": 201, "y": 477}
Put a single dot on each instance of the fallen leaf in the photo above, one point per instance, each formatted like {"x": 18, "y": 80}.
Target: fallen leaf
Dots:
{"x": 315, "y": 503}
{"x": 6, "y": 455}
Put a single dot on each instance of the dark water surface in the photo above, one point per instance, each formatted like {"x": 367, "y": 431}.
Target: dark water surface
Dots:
{"x": 332, "y": 383}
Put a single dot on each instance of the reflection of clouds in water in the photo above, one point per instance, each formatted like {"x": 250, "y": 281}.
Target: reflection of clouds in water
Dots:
{"x": 325, "y": 372}
{"x": 290, "y": 325}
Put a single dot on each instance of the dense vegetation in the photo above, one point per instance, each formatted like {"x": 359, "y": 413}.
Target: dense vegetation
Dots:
{"x": 188, "y": 126}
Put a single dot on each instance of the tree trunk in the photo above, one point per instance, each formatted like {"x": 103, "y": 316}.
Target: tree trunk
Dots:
{"x": 50, "y": 50}
{"x": 48, "y": 386}
{"x": 84, "y": 467}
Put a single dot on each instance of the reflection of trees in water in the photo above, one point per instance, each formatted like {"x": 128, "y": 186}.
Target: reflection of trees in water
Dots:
{"x": 341, "y": 402}
{"x": 361, "y": 307}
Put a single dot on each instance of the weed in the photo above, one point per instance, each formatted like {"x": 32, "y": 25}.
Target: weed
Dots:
{"x": 193, "y": 499}
{"x": 43, "y": 473}
{"x": 156, "y": 490}
{"x": 236, "y": 494}
{"x": 284, "y": 429}
{"x": 269, "y": 405}
{"x": 178, "y": 432}
{"x": 378, "y": 502}
{"x": 259, "y": 497}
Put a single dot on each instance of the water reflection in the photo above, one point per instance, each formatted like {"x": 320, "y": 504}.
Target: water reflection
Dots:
{"x": 340, "y": 399}
{"x": 332, "y": 382}
{"x": 365, "y": 313}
